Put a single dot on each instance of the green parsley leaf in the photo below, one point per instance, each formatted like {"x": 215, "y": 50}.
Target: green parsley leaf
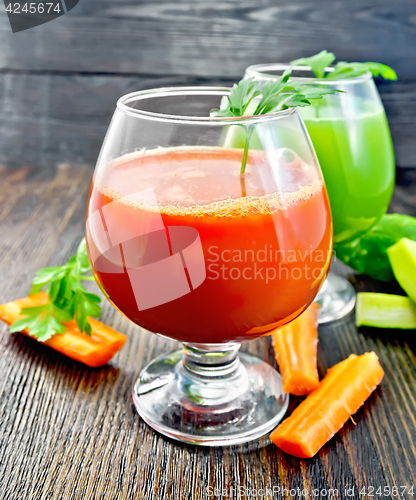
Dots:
{"x": 349, "y": 70}
{"x": 299, "y": 96}
{"x": 42, "y": 321}
{"x": 46, "y": 275}
{"x": 82, "y": 257}
{"x": 238, "y": 100}
{"x": 68, "y": 298}
{"x": 85, "y": 304}
{"x": 271, "y": 91}
{"x": 317, "y": 63}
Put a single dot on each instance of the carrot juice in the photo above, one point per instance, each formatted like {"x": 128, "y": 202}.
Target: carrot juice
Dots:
{"x": 186, "y": 247}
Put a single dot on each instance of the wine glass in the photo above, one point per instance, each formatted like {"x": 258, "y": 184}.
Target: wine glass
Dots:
{"x": 188, "y": 247}
{"x": 351, "y": 137}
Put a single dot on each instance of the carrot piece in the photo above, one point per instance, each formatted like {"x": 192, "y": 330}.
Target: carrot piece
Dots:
{"x": 295, "y": 347}
{"x": 339, "y": 395}
{"x": 93, "y": 351}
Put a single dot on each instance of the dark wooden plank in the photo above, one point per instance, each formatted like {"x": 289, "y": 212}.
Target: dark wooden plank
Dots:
{"x": 46, "y": 119}
{"x": 69, "y": 432}
{"x": 212, "y": 38}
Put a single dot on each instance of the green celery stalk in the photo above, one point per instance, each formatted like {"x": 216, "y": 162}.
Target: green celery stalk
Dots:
{"x": 402, "y": 256}
{"x": 385, "y": 311}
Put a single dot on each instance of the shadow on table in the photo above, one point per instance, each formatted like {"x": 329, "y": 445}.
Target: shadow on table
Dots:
{"x": 394, "y": 336}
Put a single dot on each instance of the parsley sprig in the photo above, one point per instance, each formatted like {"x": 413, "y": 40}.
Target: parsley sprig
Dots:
{"x": 319, "y": 62}
{"x": 274, "y": 96}
{"x": 68, "y": 299}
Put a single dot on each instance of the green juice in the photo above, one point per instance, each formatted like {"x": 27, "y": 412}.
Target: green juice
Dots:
{"x": 356, "y": 156}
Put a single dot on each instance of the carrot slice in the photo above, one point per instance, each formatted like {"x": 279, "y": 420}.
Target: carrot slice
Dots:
{"x": 93, "y": 351}
{"x": 295, "y": 347}
{"x": 340, "y": 394}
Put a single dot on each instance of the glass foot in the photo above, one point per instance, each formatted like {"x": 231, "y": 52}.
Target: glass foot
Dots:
{"x": 336, "y": 298}
{"x": 210, "y": 397}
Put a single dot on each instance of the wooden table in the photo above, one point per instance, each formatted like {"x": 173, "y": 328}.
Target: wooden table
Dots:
{"x": 69, "y": 432}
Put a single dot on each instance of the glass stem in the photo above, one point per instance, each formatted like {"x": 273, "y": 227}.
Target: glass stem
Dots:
{"x": 212, "y": 375}
{"x": 211, "y": 360}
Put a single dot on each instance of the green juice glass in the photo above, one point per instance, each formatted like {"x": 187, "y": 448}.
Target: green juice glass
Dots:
{"x": 352, "y": 141}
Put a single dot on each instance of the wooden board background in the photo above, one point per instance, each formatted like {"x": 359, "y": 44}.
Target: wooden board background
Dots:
{"x": 69, "y": 432}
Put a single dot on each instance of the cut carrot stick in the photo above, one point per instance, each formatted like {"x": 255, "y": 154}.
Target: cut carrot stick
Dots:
{"x": 340, "y": 394}
{"x": 295, "y": 347}
{"x": 93, "y": 351}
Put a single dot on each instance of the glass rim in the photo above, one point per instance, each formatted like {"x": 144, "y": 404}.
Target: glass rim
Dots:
{"x": 122, "y": 105}
{"x": 260, "y": 70}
